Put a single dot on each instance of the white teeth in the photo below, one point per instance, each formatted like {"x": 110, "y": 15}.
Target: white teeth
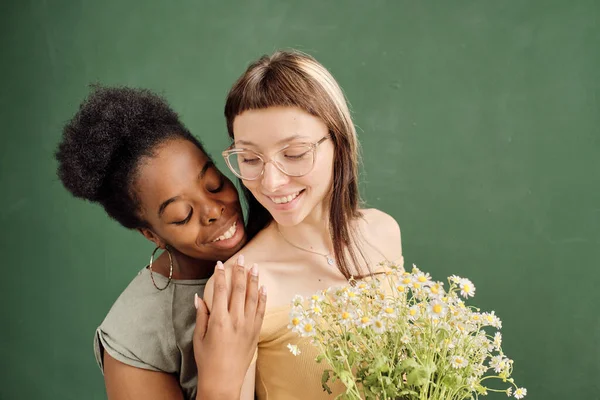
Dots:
{"x": 227, "y": 235}
{"x": 285, "y": 199}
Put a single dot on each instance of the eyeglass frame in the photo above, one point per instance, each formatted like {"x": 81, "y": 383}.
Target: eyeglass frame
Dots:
{"x": 231, "y": 150}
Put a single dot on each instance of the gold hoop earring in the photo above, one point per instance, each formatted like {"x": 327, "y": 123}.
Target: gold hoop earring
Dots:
{"x": 170, "y": 268}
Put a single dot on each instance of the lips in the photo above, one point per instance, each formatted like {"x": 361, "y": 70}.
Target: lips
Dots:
{"x": 285, "y": 199}
{"x": 228, "y": 233}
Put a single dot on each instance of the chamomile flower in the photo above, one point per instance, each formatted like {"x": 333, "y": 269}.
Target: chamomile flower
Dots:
{"x": 405, "y": 339}
{"x": 388, "y": 311}
{"x": 437, "y": 309}
{"x": 345, "y": 317}
{"x": 467, "y": 289}
{"x": 378, "y": 325}
{"x": 295, "y": 321}
{"x": 293, "y": 349}
{"x": 307, "y": 328}
{"x": 497, "y": 341}
{"x": 455, "y": 279}
{"x": 458, "y": 362}
{"x": 435, "y": 289}
{"x": 363, "y": 321}
{"x": 509, "y": 391}
{"x": 520, "y": 393}
{"x": 492, "y": 319}
{"x": 297, "y": 301}
{"x": 422, "y": 278}
{"x": 414, "y": 312}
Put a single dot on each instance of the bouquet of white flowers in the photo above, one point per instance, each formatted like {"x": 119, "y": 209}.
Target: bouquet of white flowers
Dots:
{"x": 403, "y": 336}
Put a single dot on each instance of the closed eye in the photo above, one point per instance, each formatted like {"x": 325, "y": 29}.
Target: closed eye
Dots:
{"x": 186, "y": 220}
{"x": 220, "y": 187}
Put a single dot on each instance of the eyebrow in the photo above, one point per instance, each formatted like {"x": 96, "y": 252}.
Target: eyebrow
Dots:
{"x": 287, "y": 139}
{"x": 165, "y": 203}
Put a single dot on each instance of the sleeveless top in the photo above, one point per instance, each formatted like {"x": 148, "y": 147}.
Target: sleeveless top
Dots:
{"x": 282, "y": 376}
{"x": 152, "y": 329}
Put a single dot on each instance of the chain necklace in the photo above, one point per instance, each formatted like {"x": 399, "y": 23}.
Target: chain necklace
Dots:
{"x": 330, "y": 260}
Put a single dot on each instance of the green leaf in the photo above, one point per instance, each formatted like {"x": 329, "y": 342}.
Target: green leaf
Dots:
{"x": 324, "y": 379}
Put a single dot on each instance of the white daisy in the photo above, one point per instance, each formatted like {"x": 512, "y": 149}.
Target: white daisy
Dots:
{"x": 295, "y": 321}
{"x": 297, "y": 300}
{"x": 467, "y": 289}
{"x": 520, "y": 393}
{"x": 363, "y": 322}
{"x": 437, "y": 309}
{"x": 307, "y": 328}
{"x": 458, "y": 362}
{"x": 378, "y": 325}
{"x": 509, "y": 392}
{"x": 497, "y": 341}
{"x": 293, "y": 349}
{"x": 492, "y": 319}
{"x": 414, "y": 312}
{"x": 422, "y": 278}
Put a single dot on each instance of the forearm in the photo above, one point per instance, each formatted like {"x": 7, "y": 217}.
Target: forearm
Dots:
{"x": 218, "y": 392}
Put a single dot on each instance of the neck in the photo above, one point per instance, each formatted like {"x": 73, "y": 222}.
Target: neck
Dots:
{"x": 184, "y": 267}
{"x": 313, "y": 233}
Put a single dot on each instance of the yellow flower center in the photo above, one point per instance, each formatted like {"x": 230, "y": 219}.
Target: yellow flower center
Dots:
{"x": 416, "y": 285}
{"x": 345, "y": 315}
{"x": 458, "y": 360}
{"x": 437, "y": 308}
{"x": 295, "y": 321}
{"x": 378, "y": 324}
{"x": 400, "y": 288}
{"x": 308, "y": 328}
{"x": 422, "y": 279}
{"x": 365, "y": 320}
{"x": 389, "y": 310}
{"x": 412, "y": 312}
{"x": 406, "y": 281}
{"x": 467, "y": 288}
{"x": 315, "y": 297}
{"x": 351, "y": 294}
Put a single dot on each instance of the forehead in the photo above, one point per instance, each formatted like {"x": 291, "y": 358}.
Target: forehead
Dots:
{"x": 272, "y": 126}
{"x": 169, "y": 170}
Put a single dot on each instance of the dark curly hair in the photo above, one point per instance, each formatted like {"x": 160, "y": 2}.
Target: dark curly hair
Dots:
{"x": 103, "y": 144}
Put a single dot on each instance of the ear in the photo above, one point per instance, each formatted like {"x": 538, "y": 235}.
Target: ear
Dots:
{"x": 153, "y": 237}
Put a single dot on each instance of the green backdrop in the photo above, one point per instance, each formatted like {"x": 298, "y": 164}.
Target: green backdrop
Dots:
{"x": 479, "y": 122}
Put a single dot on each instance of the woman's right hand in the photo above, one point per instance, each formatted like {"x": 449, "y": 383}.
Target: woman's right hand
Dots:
{"x": 225, "y": 339}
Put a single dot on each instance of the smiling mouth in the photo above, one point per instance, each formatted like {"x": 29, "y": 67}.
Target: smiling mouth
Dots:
{"x": 285, "y": 199}
{"x": 228, "y": 233}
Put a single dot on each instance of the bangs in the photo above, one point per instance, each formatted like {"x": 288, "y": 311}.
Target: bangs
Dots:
{"x": 271, "y": 84}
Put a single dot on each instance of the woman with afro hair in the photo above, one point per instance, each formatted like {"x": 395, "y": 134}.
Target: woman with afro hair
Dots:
{"x": 126, "y": 150}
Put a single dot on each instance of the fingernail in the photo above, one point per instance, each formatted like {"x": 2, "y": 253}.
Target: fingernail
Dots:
{"x": 254, "y": 270}
{"x": 220, "y": 265}
{"x": 263, "y": 290}
{"x": 196, "y": 300}
{"x": 241, "y": 259}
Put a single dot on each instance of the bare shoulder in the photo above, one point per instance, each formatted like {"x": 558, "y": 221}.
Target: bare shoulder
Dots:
{"x": 383, "y": 229}
{"x": 254, "y": 252}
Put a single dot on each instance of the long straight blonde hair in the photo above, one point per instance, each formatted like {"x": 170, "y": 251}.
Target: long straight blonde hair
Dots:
{"x": 295, "y": 79}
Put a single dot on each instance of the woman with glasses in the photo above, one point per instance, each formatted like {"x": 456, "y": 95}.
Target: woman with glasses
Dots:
{"x": 296, "y": 152}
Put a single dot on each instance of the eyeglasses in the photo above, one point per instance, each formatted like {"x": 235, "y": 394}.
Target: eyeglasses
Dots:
{"x": 293, "y": 160}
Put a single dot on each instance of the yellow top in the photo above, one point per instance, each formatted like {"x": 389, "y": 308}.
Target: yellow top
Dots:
{"x": 280, "y": 375}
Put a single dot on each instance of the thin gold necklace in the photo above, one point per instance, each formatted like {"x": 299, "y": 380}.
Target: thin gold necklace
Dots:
{"x": 330, "y": 260}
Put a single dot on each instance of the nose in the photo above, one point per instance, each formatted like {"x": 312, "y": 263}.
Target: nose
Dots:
{"x": 273, "y": 178}
{"x": 211, "y": 211}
